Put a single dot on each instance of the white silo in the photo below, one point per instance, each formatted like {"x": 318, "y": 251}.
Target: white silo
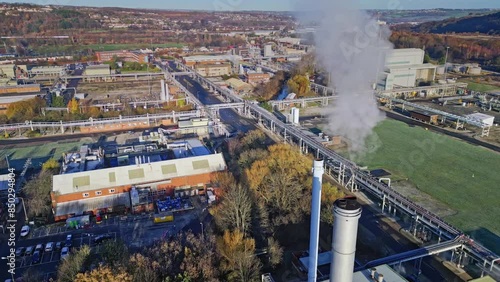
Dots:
{"x": 440, "y": 70}
{"x": 318, "y": 171}
{"x": 294, "y": 115}
{"x": 347, "y": 212}
{"x": 162, "y": 94}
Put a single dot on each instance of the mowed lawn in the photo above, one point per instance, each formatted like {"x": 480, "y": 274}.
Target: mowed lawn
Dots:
{"x": 463, "y": 176}
{"x": 38, "y": 153}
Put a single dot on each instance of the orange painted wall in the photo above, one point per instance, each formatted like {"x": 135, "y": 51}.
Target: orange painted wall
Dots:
{"x": 192, "y": 180}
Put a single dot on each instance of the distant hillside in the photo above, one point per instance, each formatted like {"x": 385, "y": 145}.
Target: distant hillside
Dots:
{"x": 486, "y": 24}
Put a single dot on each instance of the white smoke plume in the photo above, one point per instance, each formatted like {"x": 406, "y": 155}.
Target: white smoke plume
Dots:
{"x": 350, "y": 46}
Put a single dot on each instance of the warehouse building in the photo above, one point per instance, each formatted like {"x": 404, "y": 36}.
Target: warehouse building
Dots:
{"x": 239, "y": 85}
{"x": 98, "y": 70}
{"x": 123, "y": 55}
{"x": 405, "y": 68}
{"x": 211, "y": 70}
{"x": 7, "y": 71}
{"x": 190, "y": 61}
{"x": 45, "y": 71}
{"x": 255, "y": 78}
{"x": 91, "y": 182}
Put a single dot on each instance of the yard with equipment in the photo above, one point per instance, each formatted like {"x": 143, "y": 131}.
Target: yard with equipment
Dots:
{"x": 459, "y": 175}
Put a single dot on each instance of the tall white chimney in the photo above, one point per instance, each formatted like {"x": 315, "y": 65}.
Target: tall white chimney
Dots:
{"x": 347, "y": 212}
{"x": 315, "y": 215}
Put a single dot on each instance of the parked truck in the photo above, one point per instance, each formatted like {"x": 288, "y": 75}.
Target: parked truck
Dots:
{"x": 163, "y": 217}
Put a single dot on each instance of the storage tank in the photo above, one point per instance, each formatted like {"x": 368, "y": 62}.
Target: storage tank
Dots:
{"x": 475, "y": 70}
{"x": 440, "y": 70}
{"x": 458, "y": 68}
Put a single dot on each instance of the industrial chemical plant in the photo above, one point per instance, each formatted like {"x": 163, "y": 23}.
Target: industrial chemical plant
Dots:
{"x": 168, "y": 159}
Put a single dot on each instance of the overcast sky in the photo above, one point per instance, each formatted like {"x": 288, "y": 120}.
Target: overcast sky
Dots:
{"x": 274, "y": 5}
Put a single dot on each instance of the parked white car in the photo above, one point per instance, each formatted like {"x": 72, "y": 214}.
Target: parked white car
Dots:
{"x": 64, "y": 252}
{"x": 49, "y": 246}
{"x": 25, "y": 231}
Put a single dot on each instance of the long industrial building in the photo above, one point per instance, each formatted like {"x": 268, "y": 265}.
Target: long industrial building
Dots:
{"x": 93, "y": 181}
{"x": 405, "y": 68}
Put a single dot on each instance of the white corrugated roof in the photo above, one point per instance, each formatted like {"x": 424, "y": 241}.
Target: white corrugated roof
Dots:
{"x": 134, "y": 174}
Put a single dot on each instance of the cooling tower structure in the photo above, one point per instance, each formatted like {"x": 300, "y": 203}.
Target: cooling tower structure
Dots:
{"x": 347, "y": 212}
{"x": 315, "y": 213}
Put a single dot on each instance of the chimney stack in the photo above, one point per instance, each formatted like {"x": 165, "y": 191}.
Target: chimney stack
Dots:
{"x": 315, "y": 216}
{"x": 347, "y": 212}
{"x": 380, "y": 278}
{"x": 372, "y": 273}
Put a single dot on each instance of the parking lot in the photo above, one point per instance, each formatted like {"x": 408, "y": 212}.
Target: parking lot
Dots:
{"x": 136, "y": 231}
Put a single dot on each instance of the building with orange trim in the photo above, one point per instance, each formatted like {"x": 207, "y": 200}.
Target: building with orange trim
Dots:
{"x": 86, "y": 188}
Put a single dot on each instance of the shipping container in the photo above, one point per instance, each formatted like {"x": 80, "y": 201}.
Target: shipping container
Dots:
{"x": 165, "y": 217}
{"x": 424, "y": 116}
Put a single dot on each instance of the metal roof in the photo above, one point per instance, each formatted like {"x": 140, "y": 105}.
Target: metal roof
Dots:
{"x": 138, "y": 173}
{"x": 77, "y": 207}
{"x": 390, "y": 275}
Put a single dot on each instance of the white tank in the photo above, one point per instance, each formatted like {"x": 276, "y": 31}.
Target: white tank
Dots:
{"x": 440, "y": 70}
{"x": 475, "y": 70}
{"x": 347, "y": 212}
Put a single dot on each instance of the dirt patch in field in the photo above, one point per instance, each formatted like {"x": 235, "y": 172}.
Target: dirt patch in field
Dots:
{"x": 423, "y": 199}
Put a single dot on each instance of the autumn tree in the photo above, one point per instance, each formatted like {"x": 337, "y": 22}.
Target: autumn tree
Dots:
{"x": 186, "y": 254}
{"x": 73, "y": 264}
{"x": 239, "y": 258}
{"x": 51, "y": 165}
{"x": 272, "y": 88}
{"x": 142, "y": 268}
{"x": 280, "y": 180}
{"x": 37, "y": 191}
{"x": 73, "y": 106}
{"x": 329, "y": 194}
{"x": 299, "y": 85}
{"x": 25, "y": 110}
{"x": 104, "y": 274}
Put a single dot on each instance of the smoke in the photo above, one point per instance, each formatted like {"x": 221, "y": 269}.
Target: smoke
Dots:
{"x": 349, "y": 46}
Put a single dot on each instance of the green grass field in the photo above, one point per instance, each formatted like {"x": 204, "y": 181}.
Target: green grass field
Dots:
{"x": 38, "y": 153}
{"x": 481, "y": 87}
{"x": 100, "y": 47}
{"x": 464, "y": 177}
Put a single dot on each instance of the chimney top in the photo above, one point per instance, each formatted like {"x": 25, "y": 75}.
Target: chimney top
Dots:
{"x": 380, "y": 278}
{"x": 348, "y": 203}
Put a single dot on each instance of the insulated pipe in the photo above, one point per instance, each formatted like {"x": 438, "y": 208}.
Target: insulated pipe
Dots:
{"x": 315, "y": 216}
{"x": 347, "y": 212}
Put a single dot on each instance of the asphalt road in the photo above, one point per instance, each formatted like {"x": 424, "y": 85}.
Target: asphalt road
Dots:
{"x": 227, "y": 116}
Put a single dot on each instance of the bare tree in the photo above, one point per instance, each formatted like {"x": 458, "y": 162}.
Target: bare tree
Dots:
{"x": 235, "y": 210}
{"x": 142, "y": 268}
{"x": 275, "y": 252}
